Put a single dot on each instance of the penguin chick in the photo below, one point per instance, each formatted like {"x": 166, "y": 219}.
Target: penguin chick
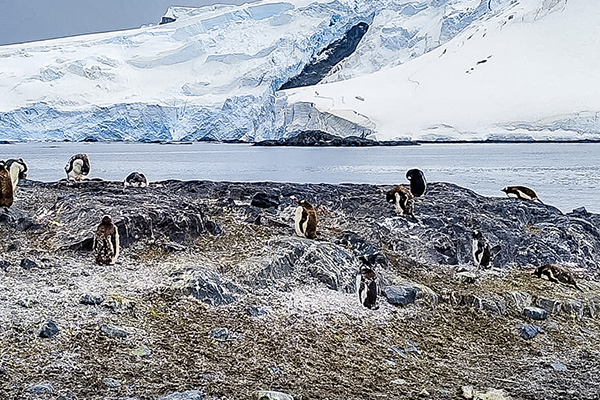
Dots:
{"x": 521, "y": 192}
{"x": 77, "y": 167}
{"x": 106, "y": 244}
{"x": 136, "y": 179}
{"x": 367, "y": 284}
{"x": 6, "y": 187}
{"x": 418, "y": 184}
{"x": 17, "y": 170}
{"x": 403, "y": 199}
{"x": 305, "y": 220}
{"x": 557, "y": 273}
{"x": 481, "y": 250}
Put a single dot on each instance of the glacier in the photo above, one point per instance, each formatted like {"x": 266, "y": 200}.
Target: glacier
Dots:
{"x": 213, "y": 72}
{"x": 526, "y": 73}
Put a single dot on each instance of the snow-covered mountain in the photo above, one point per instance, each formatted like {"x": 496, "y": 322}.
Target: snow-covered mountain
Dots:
{"x": 214, "y": 72}
{"x": 528, "y": 72}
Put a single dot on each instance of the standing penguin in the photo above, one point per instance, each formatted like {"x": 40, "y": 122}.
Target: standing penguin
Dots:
{"x": 77, "y": 167}
{"x": 136, "y": 179}
{"x": 481, "y": 250}
{"x": 521, "y": 192}
{"x": 367, "y": 284}
{"x": 402, "y": 198}
{"x": 106, "y": 245}
{"x": 6, "y": 187}
{"x": 17, "y": 170}
{"x": 305, "y": 220}
{"x": 418, "y": 184}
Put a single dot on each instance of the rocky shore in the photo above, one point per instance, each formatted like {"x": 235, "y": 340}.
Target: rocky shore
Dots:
{"x": 214, "y": 297}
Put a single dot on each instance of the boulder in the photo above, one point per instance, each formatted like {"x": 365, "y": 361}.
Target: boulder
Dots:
{"x": 401, "y": 294}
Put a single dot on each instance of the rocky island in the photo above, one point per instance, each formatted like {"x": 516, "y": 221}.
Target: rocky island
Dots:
{"x": 215, "y": 297}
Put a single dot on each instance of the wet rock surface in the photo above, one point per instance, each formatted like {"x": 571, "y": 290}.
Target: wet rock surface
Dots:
{"x": 211, "y": 272}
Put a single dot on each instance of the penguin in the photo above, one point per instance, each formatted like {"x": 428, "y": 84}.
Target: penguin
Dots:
{"x": 17, "y": 170}
{"x": 77, "y": 167}
{"x": 367, "y": 284}
{"x": 403, "y": 199}
{"x": 136, "y": 179}
{"x": 557, "y": 273}
{"x": 521, "y": 192}
{"x": 106, "y": 244}
{"x": 305, "y": 220}
{"x": 481, "y": 250}
{"x": 418, "y": 184}
{"x": 6, "y": 187}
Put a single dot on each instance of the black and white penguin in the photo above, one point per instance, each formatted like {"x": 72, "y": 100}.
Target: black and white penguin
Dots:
{"x": 6, "y": 187}
{"x": 136, "y": 179}
{"x": 77, "y": 167}
{"x": 481, "y": 250}
{"x": 106, "y": 244}
{"x": 521, "y": 192}
{"x": 403, "y": 199}
{"x": 367, "y": 284}
{"x": 305, "y": 220}
{"x": 557, "y": 273}
{"x": 418, "y": 184}
{"x": 17, "y": 170}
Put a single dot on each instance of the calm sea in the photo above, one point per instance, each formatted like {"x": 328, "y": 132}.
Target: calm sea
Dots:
{"x": 566, "y": 175}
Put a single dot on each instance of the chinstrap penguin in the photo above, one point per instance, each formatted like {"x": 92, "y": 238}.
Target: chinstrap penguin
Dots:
{"x": 418, "y": 184}
{"x": 136, "y": 179}
{"x": 6, "y": 187}
{"x": 403, "y": 200}
{"x": 367, "y": 284}
{"x": 557, "y": 273}
{"x": 106, "y": 244}
{"x": 521, "y": 192}
{"x": 305, "y": 220}
{"x": 481, "y": 250}
{"x": 17, "y": 170}
{"x": 77, "y": 167}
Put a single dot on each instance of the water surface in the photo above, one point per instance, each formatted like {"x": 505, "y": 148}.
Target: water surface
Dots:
{"x": 566, "y": 175}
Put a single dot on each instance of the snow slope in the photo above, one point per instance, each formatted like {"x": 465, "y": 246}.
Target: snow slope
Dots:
{"x": 212, "y": 73}
{"x": 529, "y": 72}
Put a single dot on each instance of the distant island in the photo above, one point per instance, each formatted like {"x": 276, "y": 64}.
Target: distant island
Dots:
{"x": 320, "y": 138}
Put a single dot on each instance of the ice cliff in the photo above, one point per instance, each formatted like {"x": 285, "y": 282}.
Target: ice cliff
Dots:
{"x": 215, "y": 72}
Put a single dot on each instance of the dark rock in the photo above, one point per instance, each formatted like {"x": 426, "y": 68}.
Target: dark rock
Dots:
{"x": 4, "y": 265}
{"x": 189, "y": 395}
{"x": 552, "y": 306}
{"x": 264, "y": 200}
{"x": 401, "y": 294}
{"x": 307, "y": 261}
{"x": 27, "y": 263}
{"x": 536, "y": 313}
{"x": 49, "y": 329}
{"x": 41, "y": 388}
{"x": 529, "y": 331}
{"x": 114, "y": 331}
{"x": 327, "y": 58}
{"x": 16, "y": 219}
{"x": 208, "y": 287}
{"x": 91, "y": 300}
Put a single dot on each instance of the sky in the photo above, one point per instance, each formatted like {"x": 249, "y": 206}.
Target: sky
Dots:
{"x": 32, "y": 20}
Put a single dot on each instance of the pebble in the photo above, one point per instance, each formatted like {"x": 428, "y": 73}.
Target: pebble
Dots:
{"x": 49, "y": 329}
{"x": 114, "y": 331}
{"x": 91, "y": 300}
{"x": 536, "y": 313}
{"x": 189, "y": 395}
{"x": 41, "y": 388}
{"x": 111, "y": 383}
{"x": 529, "y": 331}
{"x": 558, "y": 366}
{"x": 271, "y": 395}
{"x": 27, "y": 263}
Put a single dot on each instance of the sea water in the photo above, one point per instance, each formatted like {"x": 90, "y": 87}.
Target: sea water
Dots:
{"x": 566, "y": 175}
